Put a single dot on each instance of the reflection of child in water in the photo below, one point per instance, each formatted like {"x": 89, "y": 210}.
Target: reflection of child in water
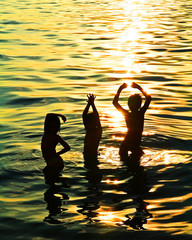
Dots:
{"x": 49, "y": 142}
{"x": 141, "y": 216}
{"x": 93, "y": 129}
{"x": 134, "y": 120}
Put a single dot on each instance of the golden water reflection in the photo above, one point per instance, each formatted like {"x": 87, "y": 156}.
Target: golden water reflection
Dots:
{"x": 116, "y": 121}
{"x": 107, "y": 216}
{"x": 50, "y": 48}
{"x": 130, "y": 29}
{"x": 109, "y": 157}
{"x": 158, "y": 208}
{"x": 164, "y": 157}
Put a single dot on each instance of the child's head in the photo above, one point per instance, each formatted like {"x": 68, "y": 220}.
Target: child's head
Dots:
{"x": 90, "y": 121}
{"x": 134, "y": 102}
{"x": 52, "y": 124}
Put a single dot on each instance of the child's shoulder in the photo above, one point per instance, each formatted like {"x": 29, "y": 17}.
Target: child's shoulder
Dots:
{"x": 58, "y": 137}
{"x": 126, "y": 112}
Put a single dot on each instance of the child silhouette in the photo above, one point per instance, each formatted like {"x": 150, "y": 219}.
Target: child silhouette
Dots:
{"x": 93, "y": 134}
{"x": 49, "y": 142}
{"x": 134, "y": 118}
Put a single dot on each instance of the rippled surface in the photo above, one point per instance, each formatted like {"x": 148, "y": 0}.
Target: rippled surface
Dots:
{"x": 52, "y": 54}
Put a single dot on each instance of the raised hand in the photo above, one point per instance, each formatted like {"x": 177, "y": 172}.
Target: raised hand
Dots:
{"x": 91, "y": 98}
{"x": 135, "y": 85}
{"x": 124, "y": 85}
{"x": 63, "y": 118}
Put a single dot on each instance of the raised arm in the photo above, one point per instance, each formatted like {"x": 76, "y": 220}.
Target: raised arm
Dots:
{"x": 86, "y": 110}
{"x": 95, "y": 112}
{"x": 116, "y": 98}
{"x": 147, "y": 96}
{"x": 65, "y": 145}
{"x": 90, "y": 102}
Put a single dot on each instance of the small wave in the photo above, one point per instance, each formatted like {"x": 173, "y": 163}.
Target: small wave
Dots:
{"x": 26, "y": 101}
{"x": 76, "y": 77}
{"x": 181, "y": 50}
{"x": 53, "y": 59}
{"x": 33, "y": 78}
{"x": 75, "y": 68}
{"x": 5, "y": 57}
{"x": 165, "y": 142}
{"x": 30, "y": 44}
{"x": 36, "y": 30}
{"x": 187, "y": 118}
{"x": 50, "y": 35}
{"x": 99, "y": 38}
{"x": 17, "y": 174}
{"x": 3, "y": 40}
{"x": 159, "y": 49}
{"x": 155, "y": 78}
{"x": 12, "y": 22}
{"x": 65, "y": 45}
{"x": 100, "y": 48}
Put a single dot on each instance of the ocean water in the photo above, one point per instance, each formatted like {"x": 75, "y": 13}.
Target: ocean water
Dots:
{"x": 55, "y": 52}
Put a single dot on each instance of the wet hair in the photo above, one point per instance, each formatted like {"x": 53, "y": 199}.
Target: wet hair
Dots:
{"x": 52, "y": 124}
{"x": 134, "y": 102}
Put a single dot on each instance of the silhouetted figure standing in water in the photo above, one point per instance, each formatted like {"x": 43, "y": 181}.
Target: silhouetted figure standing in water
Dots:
{"x": 49, "y": 142}
{"x": 134, "y": 118}
{"x": 93, "y": 134}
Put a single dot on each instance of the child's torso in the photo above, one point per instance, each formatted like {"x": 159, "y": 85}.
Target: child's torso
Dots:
{"x": 91, "y": 141}
{"x": 135, "y": 122}
{"x": 48, "y": 145}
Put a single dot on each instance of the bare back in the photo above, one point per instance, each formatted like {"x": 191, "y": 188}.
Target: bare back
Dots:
{"x": 91, "y": 141}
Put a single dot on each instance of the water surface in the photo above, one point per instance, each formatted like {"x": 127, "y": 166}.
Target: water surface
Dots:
{"x": 53, "y": 53}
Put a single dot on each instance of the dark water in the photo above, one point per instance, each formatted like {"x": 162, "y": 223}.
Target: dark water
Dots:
{"x": 53, "y": 53}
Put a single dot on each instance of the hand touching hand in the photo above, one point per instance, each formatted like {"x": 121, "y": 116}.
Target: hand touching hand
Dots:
{"x": 91, "y": 98}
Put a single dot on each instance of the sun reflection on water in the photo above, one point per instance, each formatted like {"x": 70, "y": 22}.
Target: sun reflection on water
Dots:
{"x": 112, "y": 181}
{"x": 49, "y": 65}
{"x": 106, "y": 216}
{"x": 127, "y": 45}
{"x": 163, "y": 157}
{"x": 116, "y": 120}
{"x": 110, "y": 217}
{"x": 109, "y": 156}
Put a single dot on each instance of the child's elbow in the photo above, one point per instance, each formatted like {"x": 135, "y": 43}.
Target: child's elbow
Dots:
{"x": 114, "y": 102}
{"x": 149, "y": 97}
{"x": 68, "y": 148}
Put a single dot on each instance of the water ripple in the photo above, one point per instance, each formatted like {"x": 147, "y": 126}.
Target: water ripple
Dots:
{"x": 52, "y": 56}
